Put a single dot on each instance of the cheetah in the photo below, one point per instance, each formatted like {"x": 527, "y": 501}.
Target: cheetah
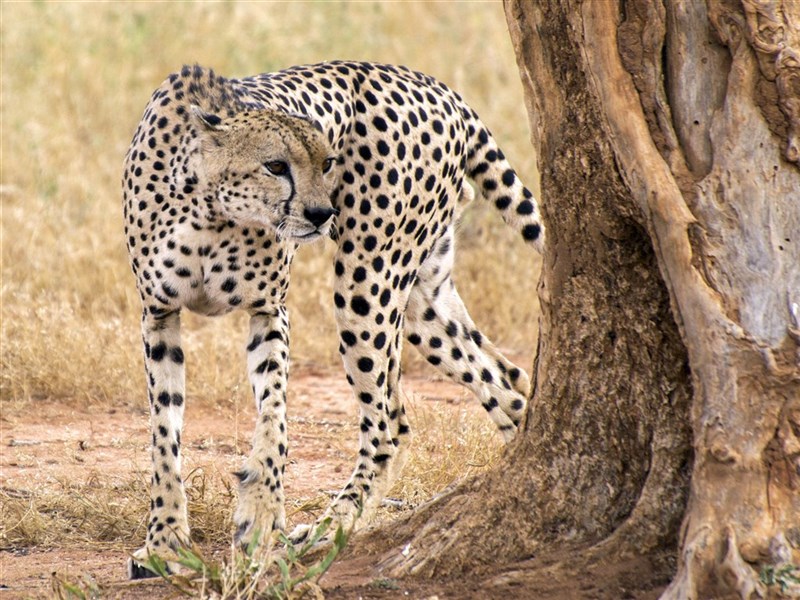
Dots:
{"x": 225, "y": 178}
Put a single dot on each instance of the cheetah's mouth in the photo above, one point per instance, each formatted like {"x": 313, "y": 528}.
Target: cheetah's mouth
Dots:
{"x": 316, "y": 222}
{"x": 309, "y": 237}
{"x": 301, "y": 235}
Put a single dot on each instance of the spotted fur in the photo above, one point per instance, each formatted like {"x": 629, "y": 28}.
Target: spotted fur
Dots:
{"x": 225, "y": 177}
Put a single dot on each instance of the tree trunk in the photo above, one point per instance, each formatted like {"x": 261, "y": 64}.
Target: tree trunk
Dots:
{"x": 668, "y": 136}
{"x": 606, "y": 445}
{"x": 722, "y": 206}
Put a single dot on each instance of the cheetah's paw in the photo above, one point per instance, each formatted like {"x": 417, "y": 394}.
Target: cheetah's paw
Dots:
{"x": 139, "y": 565}
{"x": 259, "y": 513}
{"x": 324, "y": 530}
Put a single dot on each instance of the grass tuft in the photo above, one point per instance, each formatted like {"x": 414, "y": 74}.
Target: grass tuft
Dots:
{"x": 785, "y": 576}
{"x": 65, "y": 587}
{"x": 255, "y": 572}
{"x": 445, "y": 447}
{"x": 100, "y": 512}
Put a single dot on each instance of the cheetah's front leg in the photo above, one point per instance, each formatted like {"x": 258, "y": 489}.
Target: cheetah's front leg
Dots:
{"x": 370, "y": 349}
{"x": 261, "y": 496}
{"x": 167, "y": 527}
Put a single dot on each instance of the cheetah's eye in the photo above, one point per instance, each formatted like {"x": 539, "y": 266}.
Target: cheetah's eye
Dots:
{"x": 277, "y": 167}
{"x": 326, "y": 166}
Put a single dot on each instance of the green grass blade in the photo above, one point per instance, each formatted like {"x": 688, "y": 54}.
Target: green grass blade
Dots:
{"x": 320, "y": 531}
{"x": 284, "y": 569}
{"x": 157, "y": 565}
{"x": 73, "y": 590}
{"x": 291, "y": 552}
{"x": 253, "y": 544}
{"x": 191, "y": 560}
{"x": 320, "y": 568}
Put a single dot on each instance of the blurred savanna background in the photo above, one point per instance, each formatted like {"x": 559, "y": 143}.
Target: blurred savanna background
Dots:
{"x": 75, "y": 80}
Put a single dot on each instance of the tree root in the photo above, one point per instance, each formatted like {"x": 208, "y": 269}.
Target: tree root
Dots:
{"x": 702, "y": 573}
{"x": 739, "y": 575}
{"x": 424, "y": 538}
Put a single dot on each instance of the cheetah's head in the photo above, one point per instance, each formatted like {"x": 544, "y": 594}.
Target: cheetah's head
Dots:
{"x": 266, "y": 167}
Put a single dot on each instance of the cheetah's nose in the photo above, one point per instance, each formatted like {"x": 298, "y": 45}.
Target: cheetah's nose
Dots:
{"x": 318, "y": 215}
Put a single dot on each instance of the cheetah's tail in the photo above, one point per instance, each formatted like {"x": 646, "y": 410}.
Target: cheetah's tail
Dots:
{"x": 499, "y": 184}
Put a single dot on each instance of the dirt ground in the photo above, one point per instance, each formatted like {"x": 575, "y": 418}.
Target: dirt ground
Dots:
{"x": 50, "y": 441}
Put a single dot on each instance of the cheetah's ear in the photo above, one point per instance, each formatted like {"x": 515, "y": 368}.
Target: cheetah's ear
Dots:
{"x": 309, "y": 120}
{"x": 210, "y": 128}
{"x": 208, "y": 121}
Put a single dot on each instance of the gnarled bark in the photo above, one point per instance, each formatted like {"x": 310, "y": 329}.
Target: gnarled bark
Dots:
{"x": 725, "y": 248}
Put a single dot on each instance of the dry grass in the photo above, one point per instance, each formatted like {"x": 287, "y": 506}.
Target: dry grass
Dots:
{"x": 97, "y": 510}
{"x": 75, "y": 79}
{"x": 445, "y": 447}
{"x": 100, "y": 511}
{"x": 91, "y": 513}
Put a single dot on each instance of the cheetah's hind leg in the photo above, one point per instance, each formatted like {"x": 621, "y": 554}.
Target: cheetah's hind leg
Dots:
{"x": 438, "y": 325}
